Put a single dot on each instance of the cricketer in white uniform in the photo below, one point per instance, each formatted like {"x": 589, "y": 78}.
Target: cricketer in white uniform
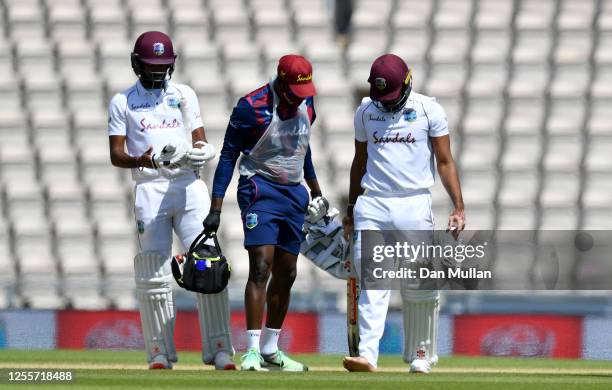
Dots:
{"x": 397, "y": 134}
{"x": 159, "y": 124}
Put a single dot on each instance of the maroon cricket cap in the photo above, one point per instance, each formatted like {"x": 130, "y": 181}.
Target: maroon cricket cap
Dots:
{"x": 296, "y": 72}
{"x": 154, "y": 47}
{"x": 389, "y": 73}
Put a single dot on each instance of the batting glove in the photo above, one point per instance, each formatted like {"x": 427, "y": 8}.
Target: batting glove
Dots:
{"x": 172, "y": 156}
{"x": 197, "y": 157}
{"x": 317, "y": 209}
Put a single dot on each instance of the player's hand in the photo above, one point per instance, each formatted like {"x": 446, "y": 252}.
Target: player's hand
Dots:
{"x": 146, "y": 159}
{"x": 456, "y": 223}
{"x": 317, "y": 209}
{"x": 212, "y": 221}
{"x": 172, "y": 156}
{"x": 197, "y": 157}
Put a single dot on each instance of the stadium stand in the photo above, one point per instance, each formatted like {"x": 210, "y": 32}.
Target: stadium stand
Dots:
{"x": 526, "y": 85}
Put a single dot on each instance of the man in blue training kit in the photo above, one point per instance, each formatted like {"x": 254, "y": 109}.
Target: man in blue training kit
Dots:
{"x": 271, "y": 128}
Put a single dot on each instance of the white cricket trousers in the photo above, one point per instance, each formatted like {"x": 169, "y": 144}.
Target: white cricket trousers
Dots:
{"x": 161, "y": 205}
{"x": 380, "y": 211}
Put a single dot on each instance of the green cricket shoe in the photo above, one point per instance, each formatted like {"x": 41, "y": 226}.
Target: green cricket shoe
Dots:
{"x": 252, "y": 360}
{"x": 283, "y": 362}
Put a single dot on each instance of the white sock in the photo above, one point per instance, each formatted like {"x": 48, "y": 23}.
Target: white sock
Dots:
{"x": 269, "y": 342}
{"x": 253, "y": 338}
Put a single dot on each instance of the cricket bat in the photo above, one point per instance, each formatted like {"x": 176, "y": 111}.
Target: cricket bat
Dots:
{"x": 352, "y": 300}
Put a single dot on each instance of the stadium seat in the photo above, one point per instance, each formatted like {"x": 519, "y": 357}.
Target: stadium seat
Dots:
{"x": 535, "y": 15}
{"x": 479, "y": 188}
{"x": 560, "y": 190}
{"x": 576, "y": 15}
{"x": 360, "y": 61}
{"x": 272, "y": 53}
{"x": 327, "y": 65}
{"x": 67, "y": 21}
{"x": 58, "y": 165}
{"x": 446, "y": 80}
{"x": 597, "y": 157}
{"x": 369, "y": 23}
{"x": 242, "y": 67}
{"x": 493, "y": 15}
{"x": 147, "y": 18}
{"x": 524, "y": 117}
{"x": 84, "y": 94}
{"x": 108, "y": 21}
{"x": 231, "y": 22}
{"x": 483, "y": 116}
{"x": 566, "y": 116}
{"x": 479, "y": 152}
{"x": 411, "y": 46}
{"x": 312, "y": 23}
{"x": 411, "y": 14}
{"x": 509, "y": 197}
{"x": 453, "y": 14}
{"x": 271, "y": 24}
{"x": 191, "y": 24}
{"x": 517, "y": 218}
{"x": 25, "y": 20}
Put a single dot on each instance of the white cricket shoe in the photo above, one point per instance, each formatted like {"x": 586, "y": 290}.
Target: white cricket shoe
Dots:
{"x": 420, "y": 366}
{"x": 160, "y": 362}
{"x": 223, "y": 361}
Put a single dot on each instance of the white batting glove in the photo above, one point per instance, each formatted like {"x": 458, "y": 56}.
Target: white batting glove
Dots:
{"x": 197, "y": 157}
{"x": 317, "y": 209}
{"x": 172, "y": 156}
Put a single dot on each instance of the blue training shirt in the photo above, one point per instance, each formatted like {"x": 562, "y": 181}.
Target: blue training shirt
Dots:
{"x": 249, "y": 120}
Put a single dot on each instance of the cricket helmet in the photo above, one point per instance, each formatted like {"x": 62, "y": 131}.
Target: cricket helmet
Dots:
{"x": 153, "y": 48}
{"x": 390, "y": 83}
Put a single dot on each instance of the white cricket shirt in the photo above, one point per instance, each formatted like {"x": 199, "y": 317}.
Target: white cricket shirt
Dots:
{"x": 152, "y": 118}
{"x": 400, "y": 156}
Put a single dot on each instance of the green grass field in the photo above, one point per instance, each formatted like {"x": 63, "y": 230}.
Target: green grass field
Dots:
{"x": 101, "y": 370}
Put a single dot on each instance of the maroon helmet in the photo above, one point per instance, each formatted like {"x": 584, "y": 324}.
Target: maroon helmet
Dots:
{"x": 390, "y": 82}
{"x": 153, "y": 48}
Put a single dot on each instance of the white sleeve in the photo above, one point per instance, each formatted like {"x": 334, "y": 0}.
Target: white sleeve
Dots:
{"x": 360, "y": 133}
{"x": 116, "y": 115}
{"x": 438, "y": 122}
{"x": 194, "y": 108}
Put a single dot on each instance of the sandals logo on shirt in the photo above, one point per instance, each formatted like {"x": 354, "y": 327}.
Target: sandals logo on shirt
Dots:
{"x": 250, "y": 221}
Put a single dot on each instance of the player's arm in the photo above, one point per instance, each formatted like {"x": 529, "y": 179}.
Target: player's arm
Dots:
{"x": 358, "y": 169}
{"x": 121, "y": 159}
{"x": 198, "y": 136}
{"x": 447, "y": 170}
{"x": 309, "y": 171}
{"x": 117, "y": 130}
{"x": 243, "y": 117}
{"x": 440, "y": 142}
{"x": 310, "y": 176}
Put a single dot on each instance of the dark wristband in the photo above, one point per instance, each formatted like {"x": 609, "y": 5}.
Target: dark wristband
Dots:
{"x": 316, "y": 194}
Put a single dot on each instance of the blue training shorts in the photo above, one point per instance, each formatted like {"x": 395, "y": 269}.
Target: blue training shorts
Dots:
{"x": 272, "y": 213}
